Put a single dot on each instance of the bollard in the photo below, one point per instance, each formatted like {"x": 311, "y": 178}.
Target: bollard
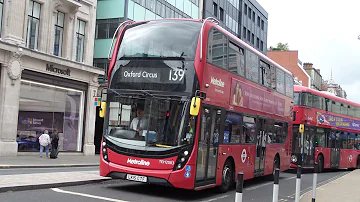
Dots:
{"x": 239, "y": 188}
{"x": 316, "y": 170}
{"x": 298, "y": 184}
{"x": 276, "y": 186}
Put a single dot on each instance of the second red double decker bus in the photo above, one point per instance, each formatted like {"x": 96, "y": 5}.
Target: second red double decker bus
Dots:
{"x": 189, "y": 105}
{"x": 331, "y": 130}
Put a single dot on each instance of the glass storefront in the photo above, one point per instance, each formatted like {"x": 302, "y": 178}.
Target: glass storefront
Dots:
{"x": 48, "y": 107}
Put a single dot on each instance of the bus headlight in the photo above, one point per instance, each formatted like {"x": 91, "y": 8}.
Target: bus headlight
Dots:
{"x": 294, "y": 159}
{"x": 104, "y": 151}
{"x": 183, "y": 157}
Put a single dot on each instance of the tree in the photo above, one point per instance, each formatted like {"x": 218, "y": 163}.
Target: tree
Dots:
{"x": 281, "y": 47}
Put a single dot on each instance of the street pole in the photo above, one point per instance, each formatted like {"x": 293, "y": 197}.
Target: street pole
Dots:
{"x": 239, "y": 188}
{"x": 276, "y": 186}
{"x": 316, "y": 170}
{"x": 298, "y": 183}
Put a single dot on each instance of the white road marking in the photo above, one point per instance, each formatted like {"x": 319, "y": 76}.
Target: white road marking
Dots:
{"x": 217, "y": 198}
{"x": 266, "y": 184}
{"x": 86, "y": 195}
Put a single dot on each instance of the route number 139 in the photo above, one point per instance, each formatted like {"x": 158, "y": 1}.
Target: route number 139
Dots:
{"x": 176, "y": 75}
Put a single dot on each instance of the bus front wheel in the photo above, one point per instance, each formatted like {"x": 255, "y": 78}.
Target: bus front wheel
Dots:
{"x": 227, "y": 176}
{"x": 320, "y": 162}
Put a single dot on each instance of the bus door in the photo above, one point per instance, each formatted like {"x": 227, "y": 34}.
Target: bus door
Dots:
{"x": 334, "y": 144}
{"x": 208, "y": 146}
{"x": 308, "y": 146}
{"x": 261, "y": 141}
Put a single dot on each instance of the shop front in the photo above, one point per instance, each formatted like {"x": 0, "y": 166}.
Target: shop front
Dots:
{"x": 49, "y": 94}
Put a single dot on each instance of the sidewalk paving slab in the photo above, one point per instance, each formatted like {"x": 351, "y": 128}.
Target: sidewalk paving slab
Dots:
{"x": 344, "y": 189}
{"x": 34, "y": 161}
{"x": 48, "y": 180}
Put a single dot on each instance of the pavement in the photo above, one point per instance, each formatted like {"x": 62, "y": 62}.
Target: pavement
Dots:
{"x": 344, "y": 189}
{"x": 26, "y": 172}
{"x": 32, "y": 160}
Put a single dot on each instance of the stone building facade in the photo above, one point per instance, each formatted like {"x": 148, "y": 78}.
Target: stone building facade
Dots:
{"x": 47, "y": 80}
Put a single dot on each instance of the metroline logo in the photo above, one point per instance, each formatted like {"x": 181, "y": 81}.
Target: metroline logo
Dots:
{"x": 217, "y": 82}
{"x": 138, "y": 162}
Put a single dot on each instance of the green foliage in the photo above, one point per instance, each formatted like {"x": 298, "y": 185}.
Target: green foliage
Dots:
{"x": 280, "y": 47}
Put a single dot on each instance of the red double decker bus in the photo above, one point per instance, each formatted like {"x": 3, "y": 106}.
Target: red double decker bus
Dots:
{"x": 189, "y": 105}
{"x": 331, "y": 128}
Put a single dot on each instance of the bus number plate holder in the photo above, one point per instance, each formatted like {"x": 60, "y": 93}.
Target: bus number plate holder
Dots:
{"x": 136, "y": 178}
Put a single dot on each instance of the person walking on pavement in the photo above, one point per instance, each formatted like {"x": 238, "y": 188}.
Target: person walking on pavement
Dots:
{"x": 44, "y": 141}
{"x": 54, "y": 144}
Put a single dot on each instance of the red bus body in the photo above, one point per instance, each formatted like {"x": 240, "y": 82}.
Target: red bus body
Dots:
{"x": 331, "y": 134}
{"x": 260, "y": 103}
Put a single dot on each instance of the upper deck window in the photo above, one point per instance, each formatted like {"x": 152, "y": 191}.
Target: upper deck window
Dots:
{"x": 297, "y": 98}
{"x": 162, "y": 38}
{"x": 280, "y": 81}
{"x": 217, "y": 50}
{"x": 252, "y": 66}
{"x": 289, "y": 84}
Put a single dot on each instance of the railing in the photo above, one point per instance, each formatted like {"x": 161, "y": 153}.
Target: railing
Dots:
{"x": 112, "y": 41}
{"x": 212, "y": 19}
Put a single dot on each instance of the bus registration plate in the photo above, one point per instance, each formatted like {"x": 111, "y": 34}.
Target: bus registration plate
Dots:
{"x": 136, "y": 178}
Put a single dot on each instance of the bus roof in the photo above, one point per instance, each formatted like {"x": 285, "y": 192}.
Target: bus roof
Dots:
{"x": 228, "y": 34}
{"x": 325, "y": 94}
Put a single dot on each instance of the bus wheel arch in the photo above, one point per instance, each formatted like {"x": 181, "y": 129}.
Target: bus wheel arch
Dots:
{"x": 276, "y": 164}
{"x": 320, "y": 161}
{"x": 358, "y": 162}
{"x": 228, "y": 175}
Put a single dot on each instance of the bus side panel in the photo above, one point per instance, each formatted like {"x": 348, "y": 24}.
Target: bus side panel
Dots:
{"x": 271, "y": 151}
{"x": 244, "y": 159}
{"x": 347, "y": 158}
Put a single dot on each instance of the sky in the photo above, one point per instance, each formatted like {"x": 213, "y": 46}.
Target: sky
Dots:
{"x": 325, "y": 32}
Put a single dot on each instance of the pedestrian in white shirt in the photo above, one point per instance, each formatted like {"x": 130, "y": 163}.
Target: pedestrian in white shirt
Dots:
{"x": 44, "y": 141}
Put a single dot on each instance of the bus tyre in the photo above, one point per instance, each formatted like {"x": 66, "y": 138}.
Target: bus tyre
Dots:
{"x": 227, "y": 177}
{"x": 320, "y": 162}
{"x": 358, "y": 163}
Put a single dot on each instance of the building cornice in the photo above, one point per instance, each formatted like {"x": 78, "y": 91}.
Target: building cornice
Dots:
{"x": 50, "y": 58}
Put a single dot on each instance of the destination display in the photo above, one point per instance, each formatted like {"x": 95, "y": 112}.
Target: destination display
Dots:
{"x": 164, "y": 75}
{"x": 337, "y": 121}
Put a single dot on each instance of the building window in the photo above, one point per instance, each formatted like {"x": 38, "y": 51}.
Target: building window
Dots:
{"x": 244, "y": 33}
{"x": 249, "y": 13}
{"x": 257, "y": 43}
{"x": 261, "y": 45}
{"x": 252, "y": 39}
{"x": 1, "y": 12}
{"x": 80, "y": 39}
{"x": 245, "y": 9}
{"x": 102, "y": 63}
{"x": 105, "y": 29}
{"x": 40, "y": 109}
{"x": 221, "y": 14}
{"x": 248, "y": 35}
{"x": 258, "y": 21}
{"x": 33, "y": 25}
{"x": 253, "y": 17}
{"x": 59, "y": 30}
{"x": 262, "y": 24}
{"x": 215, "y": 9}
